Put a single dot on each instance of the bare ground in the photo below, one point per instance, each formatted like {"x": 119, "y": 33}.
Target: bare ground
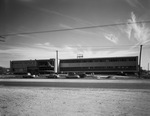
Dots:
{"x": 46, "y": 101}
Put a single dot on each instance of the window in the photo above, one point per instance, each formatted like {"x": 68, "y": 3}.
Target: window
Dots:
{"x": 107, "y": 60}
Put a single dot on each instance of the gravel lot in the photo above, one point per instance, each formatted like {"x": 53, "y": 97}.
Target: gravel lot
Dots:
{"x": 47, "y": 101}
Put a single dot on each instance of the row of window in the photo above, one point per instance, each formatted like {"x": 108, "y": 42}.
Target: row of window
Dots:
{"x": 23, "y": 62}
{"x": 99, "y": 60}
{"x": 45, "y": 63}
{"x": 99, "y": 68}
{"x": 21, "y": 65}
{"x": 19, "y": 69}
{"x": 46, "y": 68}
{"x": 31, "y": 62}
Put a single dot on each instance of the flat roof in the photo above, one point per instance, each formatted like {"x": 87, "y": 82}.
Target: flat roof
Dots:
{"x": 76, "y": 58}
{"x": 32, "y": 60}
{"x": 101, "y": 58}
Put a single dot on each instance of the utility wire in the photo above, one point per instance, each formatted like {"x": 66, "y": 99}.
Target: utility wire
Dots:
{"x": 101, "y": 47}
{"x": 70, "y": 29}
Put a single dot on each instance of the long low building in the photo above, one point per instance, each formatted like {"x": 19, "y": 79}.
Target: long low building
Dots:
{"x": 108, "y": 65}
{"x": 111, "y": 65}
{"x": 44, "y": 66}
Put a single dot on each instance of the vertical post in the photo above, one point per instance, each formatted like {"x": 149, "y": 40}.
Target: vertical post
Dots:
{"x": 140, "y": 61}
{"x": 11, "y": 67}
{"x": 56, "y": 61}
{"x": 148, "y": 67}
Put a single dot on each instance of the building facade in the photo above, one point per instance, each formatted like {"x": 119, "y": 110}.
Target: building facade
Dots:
{"x": 44, "y": 66}
{"x": 100, "y": 65}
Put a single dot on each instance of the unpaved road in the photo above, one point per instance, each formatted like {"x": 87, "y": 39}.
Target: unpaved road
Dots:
{"x": 50, "y": 101}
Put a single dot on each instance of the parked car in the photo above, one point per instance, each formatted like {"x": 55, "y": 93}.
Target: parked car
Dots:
{"x": 28, "y": 76}
{"x": 72, "y": 75}
{"x": 146, "y": 76}
{"x": 82, "y": 75}
{"x": 53, "y": 75}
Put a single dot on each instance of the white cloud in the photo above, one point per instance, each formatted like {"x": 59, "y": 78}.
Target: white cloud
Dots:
{"x": 139, "y": 31}
{"x": 123, "y": 53}
{"x": 45, "y": 46}
{"x": 134, "y": 3}
{"x": 111, "y": 37}
{"x": 39, "y": 51}
{"x": 47, "y": 43}
{"x": 78, "y": 20}
{"x": 80, "y": 30}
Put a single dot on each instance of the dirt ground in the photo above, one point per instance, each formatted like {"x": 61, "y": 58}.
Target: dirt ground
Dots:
{"x": 46, "y": 101}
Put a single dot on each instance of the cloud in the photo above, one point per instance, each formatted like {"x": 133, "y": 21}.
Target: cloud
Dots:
{"x": 101, "y": 53}
{"x": 134, "y": 3}
{"x": 46, "y": 46}
{"x": 2, "y": 39}
{"x": 79, "y": 30}
{"x": 138, "y": 30}
{"x": 69, "y": 27}
{"x": 123, "y": 53}
{"x": 46, "y": 51}
{"x": 78, "y": 20}
{"x": 111, "y": 37}
{"x": 27, "y": 53}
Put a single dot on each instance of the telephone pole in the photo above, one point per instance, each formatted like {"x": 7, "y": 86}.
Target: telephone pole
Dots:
{"x": 148, "y": 67}
{"x": 56, "y": 61}
{"x": 140, "y": 61}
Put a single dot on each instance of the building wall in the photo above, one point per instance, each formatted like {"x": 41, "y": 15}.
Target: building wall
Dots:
{"x": 20, "y": 67}
{"x": 32, "y": 66}
{"x": 46, "y": 66}
{"x": 114, "y": 64}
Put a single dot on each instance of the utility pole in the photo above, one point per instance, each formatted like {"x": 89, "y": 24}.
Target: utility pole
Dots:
{"x": 56, "y": 61}
{"x": 148, "y": 68}
{"x": 140, "y": 61}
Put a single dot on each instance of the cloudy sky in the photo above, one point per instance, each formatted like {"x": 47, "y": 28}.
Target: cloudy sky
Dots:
{"x": 23, "y": 16}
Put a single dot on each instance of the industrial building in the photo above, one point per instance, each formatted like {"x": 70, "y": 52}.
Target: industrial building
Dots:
{"x": 108, "y": 65}
{"x": 111, "y": 65}
{"x": 44, "y": 66}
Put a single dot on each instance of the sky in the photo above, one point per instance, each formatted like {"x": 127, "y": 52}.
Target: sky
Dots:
{"x": 29, "y": 16}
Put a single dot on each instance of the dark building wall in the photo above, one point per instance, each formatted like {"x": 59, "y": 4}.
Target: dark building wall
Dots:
{"x": 20, "y": 67}
{"x": 46, "y": 66}
{"x": 114, "y": 64}
{"x": 33, "y": 66}
{"x": 4, "y": 70}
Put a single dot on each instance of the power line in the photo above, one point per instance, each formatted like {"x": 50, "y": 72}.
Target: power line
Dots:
{"x": 96, "y": 46}
{"x": 100, "y": 46}
{"x": 70, "y": 29}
